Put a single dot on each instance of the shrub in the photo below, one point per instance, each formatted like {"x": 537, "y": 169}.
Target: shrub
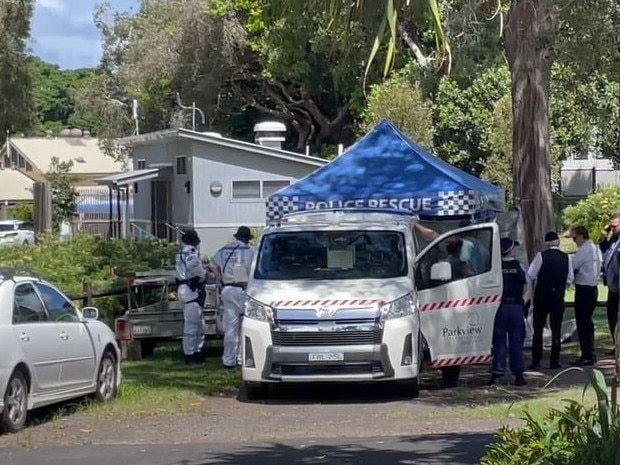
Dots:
{"x": 594, "y": 211}
{"x": 87, "y": 259}
{"x": 576, "y": 435}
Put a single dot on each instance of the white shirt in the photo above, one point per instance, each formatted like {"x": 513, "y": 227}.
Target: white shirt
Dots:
{"x": 587, "y": 264}
{"x": 534, "y": 268}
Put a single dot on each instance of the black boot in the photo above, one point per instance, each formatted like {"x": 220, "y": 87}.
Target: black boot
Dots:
{"x": 520, "y": 380}
{"x": 188, "y": 359}
{"x": 494, "y": 379}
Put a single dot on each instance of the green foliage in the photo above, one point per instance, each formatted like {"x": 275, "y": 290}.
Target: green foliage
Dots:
{"x": 402, "y": 103}
{"x": 579, "y": 433}
{"x": 87, "y": 259}
{"x": 594, "y": 211}
{"x": 16, "y": 108}
{"x": 23, "y": 212}
{"x": 64, "y": 196}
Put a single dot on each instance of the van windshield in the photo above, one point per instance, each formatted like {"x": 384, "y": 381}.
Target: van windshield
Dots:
{"x": 327, "y": 255}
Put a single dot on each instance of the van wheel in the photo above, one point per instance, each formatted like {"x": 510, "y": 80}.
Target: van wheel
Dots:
{"x": 258, "y": 391}
{"x": 410, "y": 388}
{"x": 15, "y": 411}
{"x": 450, "y": 376}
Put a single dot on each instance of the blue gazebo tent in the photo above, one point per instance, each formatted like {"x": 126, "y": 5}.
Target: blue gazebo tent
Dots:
{"x": 385, "y": 169}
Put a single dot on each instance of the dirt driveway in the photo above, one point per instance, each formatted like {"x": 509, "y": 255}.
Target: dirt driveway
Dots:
{"x": 307, "y": 412}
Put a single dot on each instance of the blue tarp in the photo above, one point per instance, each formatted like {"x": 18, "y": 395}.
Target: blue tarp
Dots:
{"x": 387, "y": 170}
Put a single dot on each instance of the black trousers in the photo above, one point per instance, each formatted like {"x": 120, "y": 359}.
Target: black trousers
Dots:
{"x": 585, "y": 303}
{"x": 613, "y": 299}
{"x": 551, "y": 307}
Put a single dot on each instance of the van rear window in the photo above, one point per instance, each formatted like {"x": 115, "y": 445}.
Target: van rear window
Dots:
{"x": 330, "y": 255}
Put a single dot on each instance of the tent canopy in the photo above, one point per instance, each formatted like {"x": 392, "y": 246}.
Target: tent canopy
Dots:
{"x": 385, "y": 169}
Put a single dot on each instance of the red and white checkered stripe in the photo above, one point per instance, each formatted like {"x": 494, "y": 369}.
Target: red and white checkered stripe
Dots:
{"x": 448, "y": 362}
{"x": 446, "y": 304}
{"x": 327, "y": 303}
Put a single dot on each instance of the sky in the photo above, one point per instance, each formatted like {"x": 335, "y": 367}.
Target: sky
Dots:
{"x": 63, "y": 31}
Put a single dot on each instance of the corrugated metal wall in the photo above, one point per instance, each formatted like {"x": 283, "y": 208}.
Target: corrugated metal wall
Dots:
{"x": 93, "y": 208}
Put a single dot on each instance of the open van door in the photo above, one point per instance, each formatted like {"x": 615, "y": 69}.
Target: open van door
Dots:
{"x": 459, "y": 292}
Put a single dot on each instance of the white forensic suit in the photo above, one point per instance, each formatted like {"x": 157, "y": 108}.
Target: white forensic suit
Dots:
{"x": 234, "y": 261}
{"x": 191, "y": 276}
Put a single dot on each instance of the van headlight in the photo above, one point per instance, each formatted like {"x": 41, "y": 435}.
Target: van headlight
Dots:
{"x": 257, "y": 311}
{"x": 403, "y": 306}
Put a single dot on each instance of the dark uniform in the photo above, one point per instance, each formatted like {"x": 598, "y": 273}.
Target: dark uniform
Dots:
{"x": 549, "y": 303}
{"x": 509, "y": 321}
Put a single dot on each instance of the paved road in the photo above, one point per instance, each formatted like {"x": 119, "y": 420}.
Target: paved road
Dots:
{"x": 453, "y": 449}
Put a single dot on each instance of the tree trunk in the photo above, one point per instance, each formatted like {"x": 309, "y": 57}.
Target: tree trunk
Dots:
{"x": 528, "y": 44}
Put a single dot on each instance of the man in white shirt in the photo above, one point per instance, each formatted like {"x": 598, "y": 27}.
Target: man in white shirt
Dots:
{"x": 552, "y": 271}
{"x": 587, "y": 266}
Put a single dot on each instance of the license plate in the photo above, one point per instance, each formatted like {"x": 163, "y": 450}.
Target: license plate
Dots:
{"x": 141, "y": 330}
{"x": 326, "y": 357}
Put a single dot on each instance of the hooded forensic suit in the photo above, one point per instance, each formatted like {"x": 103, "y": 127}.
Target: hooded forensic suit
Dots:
{"x": 234, "y": 261}
{"x": 191, "y": 279}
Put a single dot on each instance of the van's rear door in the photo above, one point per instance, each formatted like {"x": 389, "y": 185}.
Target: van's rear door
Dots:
{"x": 457, "y": 316}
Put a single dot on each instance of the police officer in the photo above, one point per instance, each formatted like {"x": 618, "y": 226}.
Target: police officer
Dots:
{"x": 509, "y": 321}
{"x": 232, "y": 267}
{"x": 552, "y": 271}
{"x": 190, "y": 289}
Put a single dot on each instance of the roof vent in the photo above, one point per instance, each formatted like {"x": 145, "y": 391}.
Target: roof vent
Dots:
{"x": 48, "y": 134}
{"x": 86, "y": 134}
{"x": 65, "y": 133}
{"x": 75, "y": 132}
{"x": 80, "y": 159}
{"x": 270, "y": 134}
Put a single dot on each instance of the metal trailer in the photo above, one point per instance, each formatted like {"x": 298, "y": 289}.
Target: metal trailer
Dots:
{"x": 154, "y": 314}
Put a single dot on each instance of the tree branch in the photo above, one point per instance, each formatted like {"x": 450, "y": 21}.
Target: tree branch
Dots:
{"x": 415, "y": 49}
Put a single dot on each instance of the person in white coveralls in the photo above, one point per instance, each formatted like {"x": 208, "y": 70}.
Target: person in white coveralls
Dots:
{"x": 232, "y": 269}
{"x": 191, "y": 277}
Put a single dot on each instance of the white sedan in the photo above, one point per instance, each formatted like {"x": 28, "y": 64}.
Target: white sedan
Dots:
{"x": 16, "y": 232}
{"x": 49, "y": 350}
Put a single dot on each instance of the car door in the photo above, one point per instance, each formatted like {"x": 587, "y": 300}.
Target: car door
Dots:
{"x": 37, "y": 337}
{"x": 457, "y": 316}
{"x": 78, "y": 366}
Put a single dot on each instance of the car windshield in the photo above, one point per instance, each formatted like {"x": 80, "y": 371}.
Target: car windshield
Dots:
{"x": 7, "y": 227}
{"x": 329, "y": 255}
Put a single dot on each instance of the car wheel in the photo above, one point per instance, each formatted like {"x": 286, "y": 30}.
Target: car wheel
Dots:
{"x": 26, "y": 243}
{"x": 106, "y": 379}
{"x": 15, "y": 411}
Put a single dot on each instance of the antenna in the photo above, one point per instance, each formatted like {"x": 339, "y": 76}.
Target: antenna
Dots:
{"x": 194, "y": 109}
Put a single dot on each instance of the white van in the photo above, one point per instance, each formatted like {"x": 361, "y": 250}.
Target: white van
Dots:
{"x": 337, "y": 295}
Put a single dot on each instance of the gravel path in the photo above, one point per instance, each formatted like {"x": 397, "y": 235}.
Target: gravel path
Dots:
{"x": 302, "y": 412}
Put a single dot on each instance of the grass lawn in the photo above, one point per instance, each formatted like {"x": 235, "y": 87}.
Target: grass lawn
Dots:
{"x": 164, "y": 385}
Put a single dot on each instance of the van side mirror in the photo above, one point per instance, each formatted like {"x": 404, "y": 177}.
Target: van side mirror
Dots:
{"x": 441, "y": 271}
{"x": 90, "y": 313}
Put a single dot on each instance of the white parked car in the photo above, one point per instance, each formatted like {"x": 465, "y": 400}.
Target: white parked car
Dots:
{"x": 16, "y": 232}
{"x": 49, "y": 350}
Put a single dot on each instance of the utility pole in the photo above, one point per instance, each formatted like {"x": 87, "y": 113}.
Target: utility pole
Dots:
{"x": 193, "y": 109}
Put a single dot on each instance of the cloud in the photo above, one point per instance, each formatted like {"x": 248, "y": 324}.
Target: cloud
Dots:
{"x": 54, "y": 5}
{"x": 64, "y": 33}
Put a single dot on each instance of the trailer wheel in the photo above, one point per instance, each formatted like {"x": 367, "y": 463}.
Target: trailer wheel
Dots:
{"x": 147, "y": 348}
{"x": 450, "y": 376}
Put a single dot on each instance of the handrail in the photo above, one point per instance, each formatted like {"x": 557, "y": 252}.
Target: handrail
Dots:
{"x": 141, "y": 230}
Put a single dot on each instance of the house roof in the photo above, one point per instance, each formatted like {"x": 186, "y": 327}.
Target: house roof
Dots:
{"x": 215, "y": 139}
{"x": 129, "y": 177}
{"x": 14, "y": 185}
{"x": 84, "y": 152}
